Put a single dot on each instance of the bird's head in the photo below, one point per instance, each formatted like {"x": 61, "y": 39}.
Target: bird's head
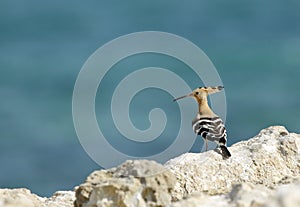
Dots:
{"x": 201, "y": 92}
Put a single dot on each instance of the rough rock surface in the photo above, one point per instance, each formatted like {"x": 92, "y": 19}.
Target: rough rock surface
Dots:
{"x": 247, "y": 195}
{"x": 268, "y": 159}
{"x": 263, "y": 172}
{"x": 19, "y": 198}
{"x": 61, "y": 199}
{"x": 22, "y": 197}
{"x": 134, "y": 183}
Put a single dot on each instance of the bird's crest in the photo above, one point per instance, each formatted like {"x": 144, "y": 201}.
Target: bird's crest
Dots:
{"x": 202, "y": 92}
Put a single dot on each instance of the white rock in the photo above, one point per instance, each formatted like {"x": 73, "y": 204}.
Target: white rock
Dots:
{"x": 20, "y": 197}
{"x": 61, "y": 198}
{"x": 24, "y": 198}
{"x": 200, "y": 199}
{"x": 285, "y": 196}
{"x": 263, "y": 172}
{"x": 247, "y": 195}
{"x": 137, "y": 183}
{"x": 243, "y": 195}
{"x": 265, "y": 159}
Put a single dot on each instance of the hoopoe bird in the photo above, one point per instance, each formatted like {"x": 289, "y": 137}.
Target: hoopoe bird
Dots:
{"x": 206, "y": 123}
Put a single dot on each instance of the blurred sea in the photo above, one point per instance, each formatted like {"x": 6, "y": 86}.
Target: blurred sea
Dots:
{"x": 254, "y": 45}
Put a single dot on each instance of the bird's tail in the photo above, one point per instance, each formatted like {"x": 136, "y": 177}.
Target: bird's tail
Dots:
{"x": 225, "y": 152}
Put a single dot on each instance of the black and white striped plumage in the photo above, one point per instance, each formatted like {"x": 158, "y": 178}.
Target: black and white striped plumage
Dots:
{"x": 207, "y": 123}
{"x": 212, "y": 129}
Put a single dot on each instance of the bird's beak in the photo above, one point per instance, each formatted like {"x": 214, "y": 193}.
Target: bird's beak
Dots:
{"x": 188, "y": 95}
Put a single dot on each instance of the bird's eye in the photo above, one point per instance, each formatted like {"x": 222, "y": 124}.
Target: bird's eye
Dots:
{"x": 197, "y": 93}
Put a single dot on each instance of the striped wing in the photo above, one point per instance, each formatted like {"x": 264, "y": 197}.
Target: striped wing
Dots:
{"x": 212, "y": 129}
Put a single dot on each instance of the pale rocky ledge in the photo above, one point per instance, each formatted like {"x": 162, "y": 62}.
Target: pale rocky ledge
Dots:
{"x": 263, "y": 171}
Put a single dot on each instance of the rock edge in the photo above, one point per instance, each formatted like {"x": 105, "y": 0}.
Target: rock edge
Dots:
{"x": 263, "y": 171}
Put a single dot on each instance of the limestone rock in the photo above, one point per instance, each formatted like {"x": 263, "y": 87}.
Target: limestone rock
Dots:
{"x": 202, "y": 200}
{"x": 24, "y": 198}
{"x": 263, "y": 171}
{"x": 20, "y": 197}
{"x": 61, "y": 199}
{"x": 267, "y": 159}
{"x": 134, "y": 183}
{"x": 247, "y": 195}
{"x": 285, "y": 196}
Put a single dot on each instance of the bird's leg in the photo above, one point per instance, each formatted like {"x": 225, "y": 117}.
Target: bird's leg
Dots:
{"x": 206, "y": 145}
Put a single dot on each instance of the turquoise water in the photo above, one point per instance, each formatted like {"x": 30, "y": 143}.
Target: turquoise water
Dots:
{"x": 255, "y": 47}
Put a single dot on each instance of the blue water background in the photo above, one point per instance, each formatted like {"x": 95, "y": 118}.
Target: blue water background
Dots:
{"x": 255, "y": 46}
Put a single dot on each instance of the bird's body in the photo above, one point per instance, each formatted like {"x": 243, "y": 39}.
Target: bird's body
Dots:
{"x": 206, "y": 123}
